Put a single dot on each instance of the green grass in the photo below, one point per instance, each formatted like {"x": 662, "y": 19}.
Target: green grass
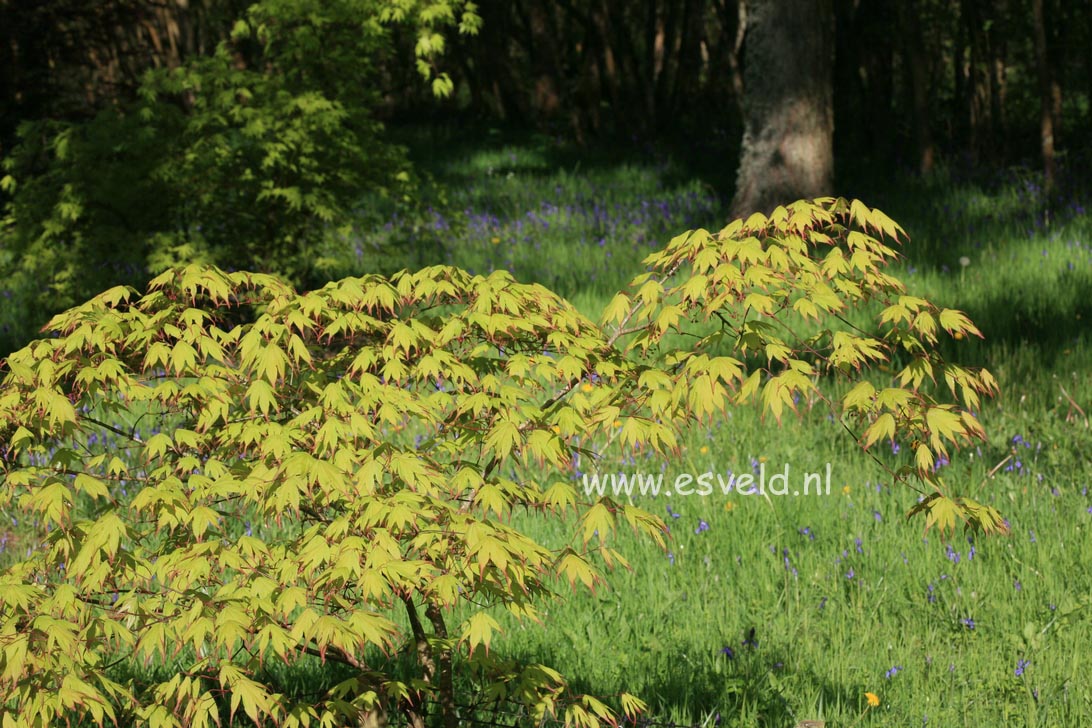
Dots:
{"x": 831, "y": 614}
{"x": 790, "y": 608}
{"x": 579, "y": 223}
{"x": 824, "y": 638}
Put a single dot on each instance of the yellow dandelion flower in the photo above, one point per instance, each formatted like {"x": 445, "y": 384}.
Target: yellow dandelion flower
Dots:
{"x": 587, "y": 386}
{"x": 618, "y": 423}
{"x": 873, "y": 699}
{"x": 846, "y": 489}
{"x": 761, "y": 458}
{"x": 557, "y": 430}
{"x": 704, "y": 449}
{"x": 729, "y": 505}
{"x": 495, "y": 240}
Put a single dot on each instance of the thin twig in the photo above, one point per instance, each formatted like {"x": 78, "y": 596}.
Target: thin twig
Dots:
{"x": 1074, "y": 405}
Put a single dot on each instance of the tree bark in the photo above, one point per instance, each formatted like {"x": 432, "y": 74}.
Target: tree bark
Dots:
{"x": 445, "y": 680}
{"x": 1046, "y": 95}
{"x": 877, "y": 60}
{"x": 416, "y": 715}
{"x": 919, "y": 88}
{"x": 979, "y": 77}
{"x": 729, "y": 51}
{"x": 546, "y": 93}
{"x": 787, "y": 151}
{"x": 960, "y": 112}
{"x": 436, "y": 666}
{"x": 1057, "y": 26}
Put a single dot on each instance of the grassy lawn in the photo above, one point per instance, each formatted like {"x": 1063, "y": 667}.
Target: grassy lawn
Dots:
{"x": 771, "y": 610}
{"x": 791, "y": 608}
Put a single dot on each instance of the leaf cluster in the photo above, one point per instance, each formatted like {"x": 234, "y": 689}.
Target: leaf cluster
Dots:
{"x": 800, "y": 312}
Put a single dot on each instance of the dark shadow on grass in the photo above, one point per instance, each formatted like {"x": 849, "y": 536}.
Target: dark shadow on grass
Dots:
{"x": 1001, "y": 218}
{"x": 957, "y": 209}
{"x": 1050, "y": 325}
{"x": 960, "y": 211}
{"x": 679, "y": 159}
{"x": 743, "y": 687}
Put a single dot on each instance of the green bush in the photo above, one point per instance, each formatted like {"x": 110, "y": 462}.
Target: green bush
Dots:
{"x": 253, "y": 157}
{"x": 378, "y": 434}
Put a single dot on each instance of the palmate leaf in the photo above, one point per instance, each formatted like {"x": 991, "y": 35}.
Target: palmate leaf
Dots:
{"x": 479, "y": 629}
{"x": 946, "y": 513}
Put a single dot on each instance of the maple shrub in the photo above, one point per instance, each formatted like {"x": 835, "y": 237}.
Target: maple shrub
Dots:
{"x": 327, "y": 477}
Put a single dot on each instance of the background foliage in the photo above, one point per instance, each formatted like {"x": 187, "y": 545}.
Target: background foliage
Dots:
{"x": 251, "y": 157}
{"x": 124, "y": 122}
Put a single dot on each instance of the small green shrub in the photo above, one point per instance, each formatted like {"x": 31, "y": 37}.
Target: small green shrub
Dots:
{"x": 372, "y": 431}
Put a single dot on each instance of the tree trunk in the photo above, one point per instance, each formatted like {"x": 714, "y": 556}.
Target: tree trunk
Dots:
{"x": 919, "y": 87}
{"x": 541, "y": 44}
{"x": 416, "y": 714}
{"x": 851, "y": 99}
{"x": 979, "y": 77}
{"x": 728, "y": 52}
{"x": 1046, "y": 95}
{"x": 996, "y": 38}
{"x": 878, "y": 64}
{"x": 960, "y": 106}
{"x": 444, "y": 678}
{"x": 691, "y": 38}
{"x": 435, "y": 664}
{"x": 787, "y": 152}
{"x": 1057, "y": 26}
